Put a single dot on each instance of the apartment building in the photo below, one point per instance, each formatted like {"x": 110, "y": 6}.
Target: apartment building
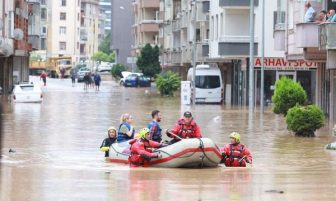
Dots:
{"x": 89, "y": 29}
{"x": 178, "y": 31}
{"x": 146, "y": 24}
{"x": 314, "y": 43}
{"x": 121, "y": 29}
{"x": 106, "y": 7}
{"x": 63, "y": 28}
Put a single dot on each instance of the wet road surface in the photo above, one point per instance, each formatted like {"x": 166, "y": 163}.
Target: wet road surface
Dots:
{"x": 57, "y": 153}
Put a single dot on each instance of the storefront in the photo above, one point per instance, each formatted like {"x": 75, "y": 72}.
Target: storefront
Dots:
{"x": 302, "y": 71}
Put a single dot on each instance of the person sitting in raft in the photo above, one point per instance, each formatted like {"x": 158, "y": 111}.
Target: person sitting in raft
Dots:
{"x": 111, "y": 138}
{"x": 126, "y": 130}
{"x": 235, "y": 154}
{"x": 140, "y": 149}
{"x": 186, "y": 127}
{"x": 154, "y": 126}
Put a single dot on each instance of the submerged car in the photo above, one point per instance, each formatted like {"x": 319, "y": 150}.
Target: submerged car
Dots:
{"x": 81, "y": 74}
{"x": 27, "y": 93}
{"x": 125, "y": 74}
{"x": 134, "y": 80}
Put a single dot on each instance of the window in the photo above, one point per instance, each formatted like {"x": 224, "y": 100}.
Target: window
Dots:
{"x": 207, "y": 81}
{"x": 43, "y": 2}
{"x": 62, "y": 45}
{"x": 62, "y": 30}
{"x": 43, "y": 44}
{"x": 212, "y": 28}
{"x": 63, "y": 2}
{"x": 62, "y": 16}
{"x": 43, "y": 13}
{"x": 44, "y": 30}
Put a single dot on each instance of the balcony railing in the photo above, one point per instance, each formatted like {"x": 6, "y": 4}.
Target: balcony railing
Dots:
{"x": 150, "y": 4}
{"x": 306, "y": 35}
{"x": 176, "y": 25}
{"x": 176, "y": 57}
{"x": 327, "y": 36}
{"x": 235, "y": 39}
{"x": 230, "y": 3}
{"x": 35, "y": 41}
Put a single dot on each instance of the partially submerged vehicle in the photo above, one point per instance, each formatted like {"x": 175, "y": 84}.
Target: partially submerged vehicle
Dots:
{"x": 27, "y": 93}
{"x": 187, "y": 153}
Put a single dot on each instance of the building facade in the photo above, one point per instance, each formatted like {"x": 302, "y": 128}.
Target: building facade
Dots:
{"x": 184, "y": 20}
{"x": 121, "y": 29}
{"x": 89, "y": 29}
{"x": 313, "y": 43}
{"x": 146, "y": 24}
{"x": 14, "y": 45}
{"x": 105, "y": 8}
{"x": 63, "y": 29}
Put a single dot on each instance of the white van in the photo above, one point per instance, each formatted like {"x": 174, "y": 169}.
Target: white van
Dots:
{"x": 209, "y": 83}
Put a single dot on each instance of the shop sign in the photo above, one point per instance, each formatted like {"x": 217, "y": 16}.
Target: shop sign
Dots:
{"x": 282, "y": 64}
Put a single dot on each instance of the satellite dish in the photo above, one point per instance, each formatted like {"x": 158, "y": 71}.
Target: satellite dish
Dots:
{"x": 7, "y": 49}
{"x": 18, "y": 34}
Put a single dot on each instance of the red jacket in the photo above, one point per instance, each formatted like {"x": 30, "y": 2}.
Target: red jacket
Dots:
{"x": 236, "y": 155}
{"x": 192, "y": 130}
{"x": 140, "y": 154}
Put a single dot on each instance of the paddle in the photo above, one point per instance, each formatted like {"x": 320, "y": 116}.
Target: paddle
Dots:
{"x": 173, "y": 134}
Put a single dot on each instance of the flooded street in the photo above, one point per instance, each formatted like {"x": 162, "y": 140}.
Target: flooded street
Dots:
{"x": 58, "y": 158}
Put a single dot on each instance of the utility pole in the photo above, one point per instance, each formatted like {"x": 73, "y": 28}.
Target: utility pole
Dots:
{"x": 194, "y": 54}
{"x": 262, "y": 59}
{"x": 251, "y": 65}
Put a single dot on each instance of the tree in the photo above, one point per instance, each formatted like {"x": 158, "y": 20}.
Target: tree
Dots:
{"x": 102, "y": 56}
{"x": 148, "y": 62}
{"x": 168, "y": 83}
{"x": 287, "y": 94}
{"x": 117, "y": 69}
{"x": 104, "y": 45}
{"x": 305, "y": 120}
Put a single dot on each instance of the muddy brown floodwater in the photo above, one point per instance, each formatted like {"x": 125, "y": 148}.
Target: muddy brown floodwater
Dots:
{"x": 57, "y": 153}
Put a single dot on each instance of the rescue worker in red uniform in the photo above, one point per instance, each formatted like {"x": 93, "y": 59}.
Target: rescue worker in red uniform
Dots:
{"x": 236, "y": 154}
{"x": 186, "y": 127}
{"x": 141, "y": 149}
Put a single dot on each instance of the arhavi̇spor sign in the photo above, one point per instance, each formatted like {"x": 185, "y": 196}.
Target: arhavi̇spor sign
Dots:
{"x": 282, "y": 64}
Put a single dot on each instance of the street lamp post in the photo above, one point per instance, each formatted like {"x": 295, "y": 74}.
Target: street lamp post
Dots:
{"x": 251, "y": 65}
{"x": 194, "y": 55}
{"x": 262, "y": 59}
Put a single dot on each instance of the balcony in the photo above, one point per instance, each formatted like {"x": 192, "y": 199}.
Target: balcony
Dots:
{"x": 306, "y": 35}
{"x": 235, "y": 46}
{"x": 176, "y": 57}
{"x": 202, "y": 52}
{"x": 279, "y": 34}
{"x": 233, "y": 3}
{"x": 150, "y": 4}
{"x": 186, "y": 54}
{"x": 327, "y": 36}
{"x": 149, "y": 26}
{"x": 35, "y": 41}
{"x": 176, "y": 24}
{"x": 327, "y": 41}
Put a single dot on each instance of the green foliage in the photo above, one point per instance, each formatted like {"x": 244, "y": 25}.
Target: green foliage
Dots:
{"x": 117, "y": 69}
{"x": 148, "y": 62}
{"x": 287, "y": 94}
{"x": 104, "y": 46}
{"x": 102, "y": 56}
{"x": 305, "y": 120}
{"x": 168, "y": 83}
{"x": 34, "y": 57}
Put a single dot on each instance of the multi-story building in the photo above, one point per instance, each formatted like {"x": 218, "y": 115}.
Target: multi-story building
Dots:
{"x": 121, "y": 29}
{"x": 106, "y": 7}
{"x": 6, "y": 45}
{"x": 34, "y": 24}
{"x": 178, "y": 31}
{"x": 314, "y": 43}
{"x": 146, "y": 24}
{"x": 63, "y": 30}
{"x": 89, "y": 29}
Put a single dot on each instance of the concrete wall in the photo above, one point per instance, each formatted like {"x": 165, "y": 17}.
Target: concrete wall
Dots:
{"x": 122, "y": 21}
